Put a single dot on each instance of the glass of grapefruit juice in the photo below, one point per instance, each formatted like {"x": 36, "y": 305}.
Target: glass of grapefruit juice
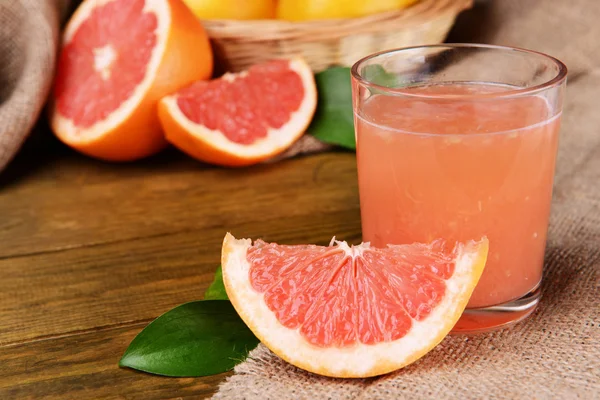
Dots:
{"x": 459, "y": 142}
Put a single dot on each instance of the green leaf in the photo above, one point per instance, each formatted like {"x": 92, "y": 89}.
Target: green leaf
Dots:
{"x": 333, "y": 121}
{"x": 216, "y": 290}
{"x": 195, "y": 339}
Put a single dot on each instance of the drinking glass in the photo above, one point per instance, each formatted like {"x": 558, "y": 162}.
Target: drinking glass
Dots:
{"x": 459, "y": 141}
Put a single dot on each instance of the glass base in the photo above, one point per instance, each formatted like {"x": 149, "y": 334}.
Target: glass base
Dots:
{"x": 485, "y": 319}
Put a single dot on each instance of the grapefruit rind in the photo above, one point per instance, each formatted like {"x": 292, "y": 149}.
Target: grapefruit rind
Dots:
{"x": 275, "y": 142}
{"x": 65, "y": 126}
{"x": 360, "y": 360}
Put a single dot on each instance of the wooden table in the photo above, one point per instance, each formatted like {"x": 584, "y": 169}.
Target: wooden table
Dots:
{"x": 91, "y": 252}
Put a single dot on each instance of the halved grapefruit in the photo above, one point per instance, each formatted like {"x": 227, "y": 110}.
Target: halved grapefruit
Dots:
{"x": 118, "y": 59}
{"x": 244, "y": 118}
{"x": 351, "y": 311}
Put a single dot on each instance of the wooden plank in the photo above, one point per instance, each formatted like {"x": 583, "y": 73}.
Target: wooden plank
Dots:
{"x": 70, "y": 205}
{"x": 85, "y": 367}
{"x": 91, "y": 252}
{"x": 136, "y": 280}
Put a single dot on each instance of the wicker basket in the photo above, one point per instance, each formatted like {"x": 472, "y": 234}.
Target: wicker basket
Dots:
{"x": 324, "y": 43}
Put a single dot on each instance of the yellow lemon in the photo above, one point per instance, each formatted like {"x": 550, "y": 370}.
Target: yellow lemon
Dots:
{"x": 373, "y": 7}
{"x": 294, "y": 10}
{"x": 232, "y": 9}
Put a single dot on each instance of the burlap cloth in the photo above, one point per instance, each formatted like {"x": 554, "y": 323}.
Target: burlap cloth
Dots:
{"x": 555, "y": 354}
{"x": 28, "y": 40}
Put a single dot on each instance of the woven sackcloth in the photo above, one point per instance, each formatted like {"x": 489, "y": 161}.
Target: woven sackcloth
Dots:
{"x": 555, "y": 354}
{"x": 28, "y": 41}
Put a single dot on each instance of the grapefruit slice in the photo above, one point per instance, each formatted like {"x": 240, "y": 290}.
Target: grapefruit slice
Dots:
{"x": 244, "y": 118}
{"x": 118, "y": 59}
{"x": 351, "y": 311}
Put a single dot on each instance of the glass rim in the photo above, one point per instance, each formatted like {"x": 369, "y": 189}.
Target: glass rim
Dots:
{"x": 555, "y": 81}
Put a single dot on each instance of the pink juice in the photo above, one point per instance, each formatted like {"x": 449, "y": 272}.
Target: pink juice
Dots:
{"x": 461, "y": 168}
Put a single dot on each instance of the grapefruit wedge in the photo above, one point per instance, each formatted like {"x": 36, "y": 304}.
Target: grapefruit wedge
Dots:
{"x": 118, "y": 59}
{"x": 244, "y": 118}
{"x": 351, "y": 311}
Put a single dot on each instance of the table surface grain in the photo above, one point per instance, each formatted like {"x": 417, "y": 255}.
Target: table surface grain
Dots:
{"x": 91, "y": 252}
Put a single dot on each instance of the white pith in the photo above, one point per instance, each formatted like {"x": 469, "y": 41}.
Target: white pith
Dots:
{"x": 360, "y": 360}
{"x": 78, "y": 134}
{"x": 275, "y": 139}
{"x": 104, "y": 58}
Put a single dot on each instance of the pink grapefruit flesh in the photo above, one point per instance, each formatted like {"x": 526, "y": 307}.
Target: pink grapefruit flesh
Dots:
{"x": 101, "y": 66}
{"x": 246, "y": 107}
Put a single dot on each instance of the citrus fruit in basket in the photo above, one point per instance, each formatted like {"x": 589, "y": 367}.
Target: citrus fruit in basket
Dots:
{"x": 244, "y": 118}
{"x": 355, "y": 311}
{"x": 232, "y": 9}
{"x": 294, "y": 10}
{"x": 118, "y": 59}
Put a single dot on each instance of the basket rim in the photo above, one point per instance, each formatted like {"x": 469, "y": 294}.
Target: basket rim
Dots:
{"x": 260, "y": 30}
